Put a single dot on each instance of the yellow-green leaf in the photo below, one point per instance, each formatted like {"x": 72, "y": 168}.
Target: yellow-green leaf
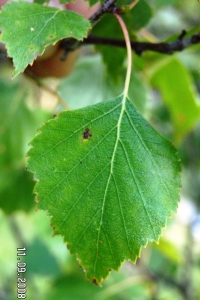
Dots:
{"x": 174, "y": 82}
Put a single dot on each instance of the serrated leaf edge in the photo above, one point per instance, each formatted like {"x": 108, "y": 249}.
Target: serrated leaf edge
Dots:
{"x": 56, "y": 232}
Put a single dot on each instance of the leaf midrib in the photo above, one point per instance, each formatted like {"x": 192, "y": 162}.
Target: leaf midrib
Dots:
{"x": 123, "y": 103}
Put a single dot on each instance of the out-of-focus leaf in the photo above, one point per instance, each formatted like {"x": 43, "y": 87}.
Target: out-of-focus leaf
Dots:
{"x": 65, "y": 1}
{"x": 161, "y": 3}
{"x": 174, "y": 82}
{"x": 16, "y": 190}
{"x": 46, "y": 261}
{"x": 169, "y": 250}
{"x": 114, "y": 57}
{"x": 41, "y": 1}
{"x": 18, "y": 123}
{"x": 74, "y": 286}
{"x": 139, "y": 16}
{"x": 95, "y": 86}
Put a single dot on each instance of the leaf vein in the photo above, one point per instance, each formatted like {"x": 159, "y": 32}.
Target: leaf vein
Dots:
{"x": 76, "y": 131}
{"x": 139, "y": 189}
{"x": 149, "y": 154}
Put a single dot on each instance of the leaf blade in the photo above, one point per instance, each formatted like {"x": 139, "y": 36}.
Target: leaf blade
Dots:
{"x": 116, "y": 181}
{"x": 29, "y": 27}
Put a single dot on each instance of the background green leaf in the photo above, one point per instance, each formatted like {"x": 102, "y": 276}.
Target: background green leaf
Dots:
{"x": 41, "y": 1}
{"x": 95, "y": 85}
{"x": 38, "y": 251}
{"x": 175, "y": 84}
{"x": 16, "y": 190}
{"x": 109, "y": 27}
{"x": 108, "y": 180}
{"x": 29, "y": 27}
{"x": 66, "y": 1}
{"x": 139, "y": 16}
{"x": 73, "y": 286}
{"x": 18, "y": 122}
{"x": 113, "y": 57}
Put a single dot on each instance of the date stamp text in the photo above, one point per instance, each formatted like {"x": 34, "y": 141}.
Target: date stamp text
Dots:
{"x": 21, "y": 270}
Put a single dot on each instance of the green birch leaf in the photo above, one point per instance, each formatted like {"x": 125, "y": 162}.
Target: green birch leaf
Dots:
{"x": 108, "y": 180}
{"x": 27, "y": 28}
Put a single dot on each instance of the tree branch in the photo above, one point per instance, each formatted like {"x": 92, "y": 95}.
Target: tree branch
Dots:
{"x": 70, "y": 44}
{"x": 140, "y": 47}
{"x": 106, "y": 7}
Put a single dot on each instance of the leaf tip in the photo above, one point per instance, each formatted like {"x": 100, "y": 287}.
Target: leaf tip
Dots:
{"x": 95, "y": 281}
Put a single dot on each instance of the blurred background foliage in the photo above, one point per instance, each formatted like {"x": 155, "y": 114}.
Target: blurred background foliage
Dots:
{"x": 165, "y": 89}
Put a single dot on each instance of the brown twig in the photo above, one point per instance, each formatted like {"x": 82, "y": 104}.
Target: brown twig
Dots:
{"x": 180, "y": 44}
{"x": 140, "y": 47}
{"x": 106, "y": 7}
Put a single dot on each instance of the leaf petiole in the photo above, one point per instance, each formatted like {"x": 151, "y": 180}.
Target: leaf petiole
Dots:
{"x": 129, "y": 55}
{"x": 133, "y": 4}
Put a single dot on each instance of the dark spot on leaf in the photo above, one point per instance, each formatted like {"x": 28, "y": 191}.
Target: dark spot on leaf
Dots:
{"x": 54, "y": 115}
{"x": 68, "y": 246}
{"x": 87, "y": 134}
{"x": 53, "y": 226}
{"x": 95, "y": 281}
{"x": 51, "y": 36}
{"x": 81, "y": 162}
